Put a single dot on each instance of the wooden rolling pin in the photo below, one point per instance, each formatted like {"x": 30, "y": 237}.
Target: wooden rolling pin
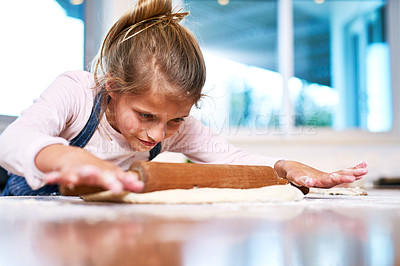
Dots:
{"x": 162, "y": 176}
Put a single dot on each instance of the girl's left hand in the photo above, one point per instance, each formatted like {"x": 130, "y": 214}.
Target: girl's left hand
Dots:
{"x": 303, "y": 175}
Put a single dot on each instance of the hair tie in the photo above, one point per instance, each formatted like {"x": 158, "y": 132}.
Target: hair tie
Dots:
{"x": 172, "y": 17}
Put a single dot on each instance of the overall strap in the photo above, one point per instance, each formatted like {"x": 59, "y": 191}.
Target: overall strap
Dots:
{"x": 88, "y": 130}
{"x": 155, "y": 151}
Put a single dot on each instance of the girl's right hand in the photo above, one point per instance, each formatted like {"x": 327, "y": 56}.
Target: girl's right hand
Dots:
{"x": 71, "y": 166}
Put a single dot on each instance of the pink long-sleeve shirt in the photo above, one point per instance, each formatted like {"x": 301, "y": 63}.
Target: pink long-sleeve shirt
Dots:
{"x": 62, "y": 111}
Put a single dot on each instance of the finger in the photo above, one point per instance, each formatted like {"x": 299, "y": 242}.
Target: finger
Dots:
{"x": 359, "y": 169}
{"x": 130, "y": 181}
{"x": 92, "y": 175}
{"x": 69, "y": 176}
{"x": 353, "y": 172}
{"x": 360, "y": 173}
{"x": 52, "y": 177}
{"x": 349, "y": 175}
{"x": 363, "y": 164}
{"x": 85, "y": 175}
{"x": 339, "y": 177}
{"x": 61, "y": 178}
{"x": 89, "y": 175}
{"x": 110, "y": 181}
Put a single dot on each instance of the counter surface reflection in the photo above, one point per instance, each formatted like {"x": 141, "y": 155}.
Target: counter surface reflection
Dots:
{"x": 320, "y": 230}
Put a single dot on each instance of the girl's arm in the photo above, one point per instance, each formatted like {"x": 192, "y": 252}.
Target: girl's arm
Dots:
{"x": 36, "y": 145}
{"x": 201, "y": 145}
{"x": 71, "y": 166}
{"x": 44, "y": 124}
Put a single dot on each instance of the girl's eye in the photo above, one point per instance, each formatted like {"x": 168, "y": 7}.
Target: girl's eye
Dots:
{"x": 177, "y": 120}
{"x": 146, "y": 116}
{"x": 173, "y": 124}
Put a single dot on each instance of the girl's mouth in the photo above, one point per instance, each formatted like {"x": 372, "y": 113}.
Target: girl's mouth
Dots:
{"x": 148, "y": 143}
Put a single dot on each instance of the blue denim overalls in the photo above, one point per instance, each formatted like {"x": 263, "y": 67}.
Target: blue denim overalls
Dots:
{"x": 17, "y": 186}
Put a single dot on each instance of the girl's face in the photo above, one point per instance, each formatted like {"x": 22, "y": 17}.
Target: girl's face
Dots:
{"x": 147, "y": 119}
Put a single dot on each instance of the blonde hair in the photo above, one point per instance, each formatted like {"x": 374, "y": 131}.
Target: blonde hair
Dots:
{"x": 147, "y": 45}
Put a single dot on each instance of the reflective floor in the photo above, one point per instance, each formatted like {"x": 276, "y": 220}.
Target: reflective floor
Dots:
{"x": 320, "y": 230}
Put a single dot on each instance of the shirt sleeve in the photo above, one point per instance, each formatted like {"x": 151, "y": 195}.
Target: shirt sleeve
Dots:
{"x": 201, "y": 145}
{"x": 39, "y": 126}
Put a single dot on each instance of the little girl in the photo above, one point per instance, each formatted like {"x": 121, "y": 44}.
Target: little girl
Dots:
{"x": 87, "y": 128}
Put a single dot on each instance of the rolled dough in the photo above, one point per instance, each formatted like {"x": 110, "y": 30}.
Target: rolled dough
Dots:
{"x": 202, "y": 195}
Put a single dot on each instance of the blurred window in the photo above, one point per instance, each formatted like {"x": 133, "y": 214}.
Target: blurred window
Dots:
{"x": 341, "y": 64}
{"x": 40, "y": 40}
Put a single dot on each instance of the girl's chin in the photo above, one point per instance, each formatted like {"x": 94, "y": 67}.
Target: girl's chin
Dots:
{"x": 141, "y": 148}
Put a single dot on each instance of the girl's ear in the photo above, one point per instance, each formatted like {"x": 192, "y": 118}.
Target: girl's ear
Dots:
{"x": 109, "y": 87}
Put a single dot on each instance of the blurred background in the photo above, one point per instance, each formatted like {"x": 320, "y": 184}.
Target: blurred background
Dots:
{"x": 310, "y": 80}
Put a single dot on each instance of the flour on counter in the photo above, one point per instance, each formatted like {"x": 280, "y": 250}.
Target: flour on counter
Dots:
{"x": 348, "y": 191}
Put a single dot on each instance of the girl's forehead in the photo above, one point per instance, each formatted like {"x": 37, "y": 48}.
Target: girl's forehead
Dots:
{"x": 157, "y": 103}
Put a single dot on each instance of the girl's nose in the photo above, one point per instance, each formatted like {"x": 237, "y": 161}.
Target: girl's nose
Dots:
{"x": 156, "y": 133}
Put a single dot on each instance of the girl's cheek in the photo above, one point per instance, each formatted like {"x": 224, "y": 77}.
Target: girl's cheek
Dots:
{"x": 170, "y": 130}
{"x": 168, "y": 134}
{"x": 130, "y": 123}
